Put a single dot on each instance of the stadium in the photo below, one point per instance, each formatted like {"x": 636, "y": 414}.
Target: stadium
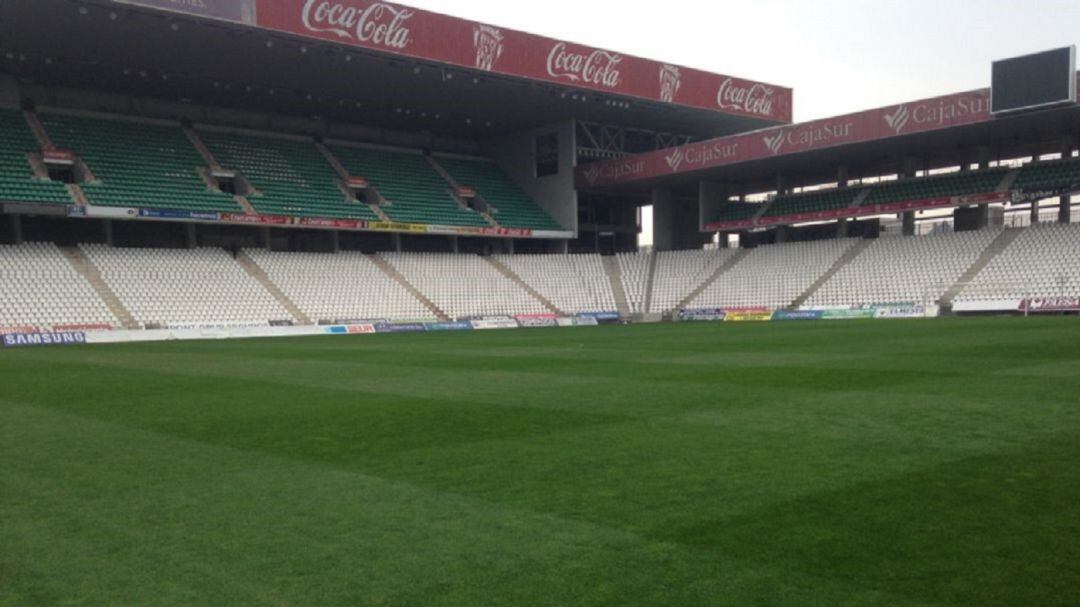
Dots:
{"x": 343, "y": 302}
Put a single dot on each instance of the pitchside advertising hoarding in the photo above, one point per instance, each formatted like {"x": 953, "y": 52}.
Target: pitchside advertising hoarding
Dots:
{"x": 410, "y": 32}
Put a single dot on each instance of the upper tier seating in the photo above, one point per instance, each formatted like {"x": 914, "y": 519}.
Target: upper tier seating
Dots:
{"x": 1050, "y": 174}
{"x": 812, "y": 202}
{"x": 916, "y": 270}
{"x": 938, "y": 186}
{"x": 464, "y": 285}
{"x": 17, "y": 182}
{"x": 1043, "y": 261}
{"x": 40, "y": 288}
{"x": 514, "y": 208}
{"x": 340, "y": 286}
{"x": 634, "y": 271}
{"x": 137, "y": 164}
{"x": 416, "y": 193}
{"x": 772, "y": 276}
{"x": 678, "y": 273}
{"x": 291, "y": 176}
{"x": 174, "y": 287}
{"x": 572, "y": 283}
{"x": 735, "y": 211}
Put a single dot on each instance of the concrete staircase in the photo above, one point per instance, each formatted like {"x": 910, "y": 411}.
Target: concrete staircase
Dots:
{"x": 343, "y": 173}
{"x": 455, "y": 186}
{"x": 392, "y": 272}
{"x": 204, "y": 151}
{"x": 507, "y": 272}
{"x": 258, "y": 274}
{"x": 1007, "y": 181}
{"x": 88, "y": 270}
{"x": 844, "y": 260}
{"x": 724, "y": 269}
{"x": 614, "y": 275}
{"x": 39, "y": 131}
{"x": 999, "y": 244}
{"x": 646, "y": 306}
{"x": 860, "y": 198}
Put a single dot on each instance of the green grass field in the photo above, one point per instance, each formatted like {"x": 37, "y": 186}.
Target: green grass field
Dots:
{"x": 863, "y": 463}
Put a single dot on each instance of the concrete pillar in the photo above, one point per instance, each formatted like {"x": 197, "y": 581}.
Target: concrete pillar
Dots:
{"x": 454, "y": 244}
{"x": 191, "y": 238}
{"x": 397, "y": 242}
{"x": 335, "y": 241}
{"x": 842, "y": 177}
{"x": 781, "y": 234}
{"x": 676, "y": 223}
{"x": 108, "y": 226}
{"x": 1065, "y": 209}
{"x": 564, "y": 246}
{"x": 782, "y": 187}
{"x": 16, "y": 229}
{"x": 1035, "y": 212}
{"x": 911, "y": 167}
{"x": 984, "y": 158}
{"x": 264, "y": 238}
{"x": 842, "y": 228}
{"x": 711, "y": 198}
{"x": 908, "y": 219}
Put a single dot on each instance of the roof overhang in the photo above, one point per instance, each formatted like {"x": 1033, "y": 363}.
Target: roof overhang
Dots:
{"x": 937, "y": 131}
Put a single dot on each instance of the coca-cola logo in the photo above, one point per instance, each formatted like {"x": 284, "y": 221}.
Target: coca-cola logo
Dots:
{"x": 675, "y": 159}
{"x": 599, "y": 68}
{"x": 898, "y": 119}
{"x": 488, "y": 42}
{"x": 670, "y": 83}
{"x": 378, "y": 24}
{"x": 753, "y": 99}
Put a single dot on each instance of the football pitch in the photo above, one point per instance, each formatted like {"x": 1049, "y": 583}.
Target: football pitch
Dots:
{"x": 860, "y": 463}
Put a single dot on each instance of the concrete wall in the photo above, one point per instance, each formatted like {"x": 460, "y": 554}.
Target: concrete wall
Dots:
{"x": 556, "y": 194}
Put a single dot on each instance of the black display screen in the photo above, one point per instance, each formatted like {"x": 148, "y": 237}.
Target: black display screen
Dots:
{"x": 1034, "y": 81}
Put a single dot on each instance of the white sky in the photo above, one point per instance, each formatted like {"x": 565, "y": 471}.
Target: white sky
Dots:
{"x": 840, "y": 56}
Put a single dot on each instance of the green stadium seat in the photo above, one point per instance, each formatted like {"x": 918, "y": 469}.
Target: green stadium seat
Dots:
{"x": 515, "y": 209}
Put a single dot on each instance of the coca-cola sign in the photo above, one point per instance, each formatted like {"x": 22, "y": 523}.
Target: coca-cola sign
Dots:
{"x": 378, "y": 23}
{"x": 596, "y": 67}
{"x": 752, "y": 99}
{"x": 391, "y": 28}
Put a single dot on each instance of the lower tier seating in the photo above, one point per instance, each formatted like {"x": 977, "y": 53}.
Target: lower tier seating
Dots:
{"x": 40, "y": 288}
{"x": 773, "y": 276}
{"x": 1042, "y": 261}
{"x": 634, "y": 269}
{"x": 678, "y": 273}
{"x": 342, "y": 286}
{"x": 464, "y": 285}
{"x": 171, "y": 287}
{"x": 572, "y": 283}
{"x": 916, "y": 270}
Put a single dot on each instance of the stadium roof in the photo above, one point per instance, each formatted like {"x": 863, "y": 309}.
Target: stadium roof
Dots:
{"x": 367, "y": 62}
{"x": 937, "y": 131}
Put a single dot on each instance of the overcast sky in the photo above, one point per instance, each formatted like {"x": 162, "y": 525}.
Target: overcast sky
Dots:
{"x": 839, "y": 55}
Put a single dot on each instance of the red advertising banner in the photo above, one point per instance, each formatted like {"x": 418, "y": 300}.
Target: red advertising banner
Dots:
{"x": 240, "y": 11}
{"x": 393, "y": 28}
{"x": 882, "y": 123}
{"x": 58, "y": 156}
{"x": 276, "y": 220}
{"x": 1051, "y": 305}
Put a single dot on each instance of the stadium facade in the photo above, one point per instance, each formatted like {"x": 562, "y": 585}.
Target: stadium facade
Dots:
{"x": 258, "y": 127}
